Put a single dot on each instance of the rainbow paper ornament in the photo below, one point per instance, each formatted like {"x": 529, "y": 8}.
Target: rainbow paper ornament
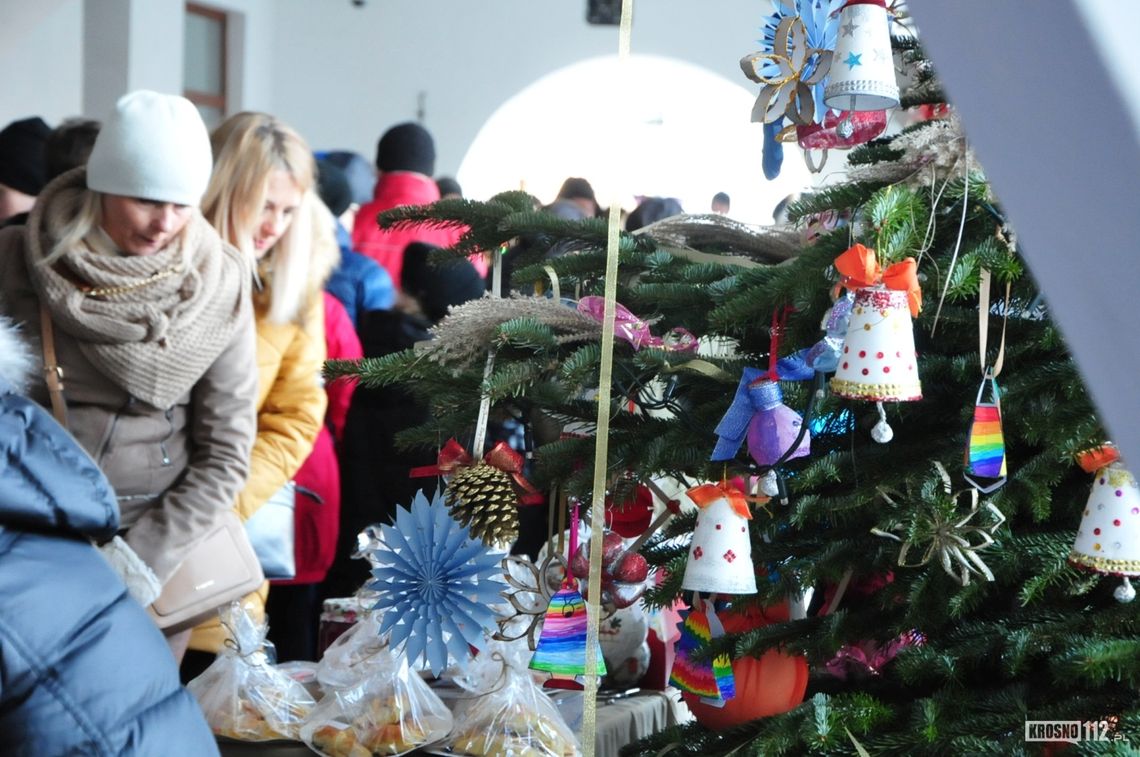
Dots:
{"x": 712, "y": 682}
{"x": 561, "y": 648}
{"x": 985, "y": 448}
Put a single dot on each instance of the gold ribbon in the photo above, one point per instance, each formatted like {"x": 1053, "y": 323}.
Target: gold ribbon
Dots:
{"x": 788, "y": 93}
{"x": 601, "y": 439}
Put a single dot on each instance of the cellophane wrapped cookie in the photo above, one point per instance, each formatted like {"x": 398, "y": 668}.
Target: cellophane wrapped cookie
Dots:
{"x": 242, "y": 694}
{"x": 511, "y": 717}
{"x": 387, "y": 710}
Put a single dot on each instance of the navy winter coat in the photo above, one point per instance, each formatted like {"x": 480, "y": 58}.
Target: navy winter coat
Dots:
{"x": 83, "y": 669}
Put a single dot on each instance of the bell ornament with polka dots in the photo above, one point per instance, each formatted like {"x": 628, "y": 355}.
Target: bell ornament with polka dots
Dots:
{"x": 720, "y": 555}
{"x": 878, "y": 361}
{"x": 1108, "y": 539}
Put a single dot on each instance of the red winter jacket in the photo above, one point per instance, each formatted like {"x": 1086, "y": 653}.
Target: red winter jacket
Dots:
{"x": 393, "y": 189}
{"x": 316, "y": 518}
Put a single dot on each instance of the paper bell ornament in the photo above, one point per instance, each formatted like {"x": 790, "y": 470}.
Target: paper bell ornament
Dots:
{"x": 562, "y": 646}
{"x": 1108, "y": 539}
{"x": 758, "y": 412}
{"x": 862, "y": 73}
{"x": 720, "y": 556}
{"x": 878, "y": 362}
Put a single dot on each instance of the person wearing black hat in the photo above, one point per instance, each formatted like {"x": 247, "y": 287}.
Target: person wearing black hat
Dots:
{"x": 22, "y": 170}
{"x": 359, "y": 282}
{"x": 449, "y": 188}
{"x": 405, "y": 158}
{"x": 374, "y": 471}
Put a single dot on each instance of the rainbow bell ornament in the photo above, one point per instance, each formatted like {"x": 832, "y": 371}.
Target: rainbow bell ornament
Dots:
{"x": 862, "y": 75}
{"x": 561, "y": 650}
{"x": 1108, "y": 539}
{"x": 878, "y": 362}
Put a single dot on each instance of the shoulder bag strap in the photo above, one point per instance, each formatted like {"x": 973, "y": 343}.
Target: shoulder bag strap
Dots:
{"x": 53, "y": 372}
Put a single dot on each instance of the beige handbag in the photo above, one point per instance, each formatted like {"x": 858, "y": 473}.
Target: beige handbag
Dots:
{"x": 221, "y": 568}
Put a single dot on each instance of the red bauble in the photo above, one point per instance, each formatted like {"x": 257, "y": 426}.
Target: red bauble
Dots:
{"x": 767, "y": 685}
{"x": 631, "y": 517}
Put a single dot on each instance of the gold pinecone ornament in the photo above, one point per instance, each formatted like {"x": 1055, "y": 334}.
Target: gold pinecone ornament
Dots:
{"x": 482, "y": 497}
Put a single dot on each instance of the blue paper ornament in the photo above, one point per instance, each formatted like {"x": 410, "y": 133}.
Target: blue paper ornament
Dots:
{"x": 435, "y": 584}
{"x": 821, "y": 21}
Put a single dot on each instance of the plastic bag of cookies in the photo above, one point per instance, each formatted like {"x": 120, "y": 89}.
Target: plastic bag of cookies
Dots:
{"x": 512, "y": 717}
{"x": 242, "y": 694}
{"x": 388, "y": 711}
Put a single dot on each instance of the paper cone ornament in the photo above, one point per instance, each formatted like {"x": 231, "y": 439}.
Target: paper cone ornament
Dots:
{"x": 862, "y": 73}
{"x": 720, "y": 556}
{"x": 759, "y": 414}
{"x": 562, "y": 646}
{"x": 710, "y": 680}
{"x": 878, "y": 362}
{"x": 1108, "y": 539}
{"x": 985, "y": 448}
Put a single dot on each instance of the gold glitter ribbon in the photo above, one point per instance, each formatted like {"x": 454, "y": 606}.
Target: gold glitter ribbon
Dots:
{"x": 601, "y": 439}
{"x": 788, "y": 93}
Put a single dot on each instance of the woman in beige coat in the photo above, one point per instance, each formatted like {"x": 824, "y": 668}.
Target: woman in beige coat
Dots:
{"x": 153, "y": 328}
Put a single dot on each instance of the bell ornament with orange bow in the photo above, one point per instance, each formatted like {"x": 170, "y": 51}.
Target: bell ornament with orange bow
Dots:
{"x": 720, "y": 555}
{"x": 1108, "y": 539}
{"x": 878, "y": 361}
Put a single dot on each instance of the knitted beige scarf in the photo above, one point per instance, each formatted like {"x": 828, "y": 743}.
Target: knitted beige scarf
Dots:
{"x": 161, "y": 320}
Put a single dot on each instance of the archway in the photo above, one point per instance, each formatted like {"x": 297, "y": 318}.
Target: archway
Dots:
{"x": 688, "y": 136}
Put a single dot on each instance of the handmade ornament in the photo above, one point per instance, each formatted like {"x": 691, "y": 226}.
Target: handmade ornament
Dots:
{"x": 841, "y": 129}
{"x": 985, "y": 446}
{"x": 530, "y": 591}
{"x": 1108, "y": 539}
{"x": 720, "y": 556}
{"x": 788, "y": 71}
{"x": 770, "y": 684}
{"x": 862, "y": 73}
{"x": 628, "y": 327}
{"x": 758, "y": 412}
{"x": 433, "y": 584}
{"x": 561, "y": 649}
{"x": 879, "y": 361}
{"x": 867, "y": 658}
{"x": 824, "y": 355}
{"x": 481, "y": 494}
{"x": 936, "y": 524}
{"x": 710, "y": 680}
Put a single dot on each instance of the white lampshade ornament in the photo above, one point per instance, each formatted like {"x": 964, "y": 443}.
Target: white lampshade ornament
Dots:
{"x": 1108, "y": 539}
{"x": 720, "y": 556}
{"x": 862, "y": 71}
{"x": 878, "y": 360}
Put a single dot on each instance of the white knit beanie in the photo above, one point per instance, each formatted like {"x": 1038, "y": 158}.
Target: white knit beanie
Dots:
{"x": 153, "y": 146}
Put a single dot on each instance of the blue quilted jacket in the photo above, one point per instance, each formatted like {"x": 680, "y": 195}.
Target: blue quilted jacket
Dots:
{"x": 83, "y": 669}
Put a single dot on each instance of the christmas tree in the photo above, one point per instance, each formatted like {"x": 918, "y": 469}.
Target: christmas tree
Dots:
{"x": 943, "y": 617}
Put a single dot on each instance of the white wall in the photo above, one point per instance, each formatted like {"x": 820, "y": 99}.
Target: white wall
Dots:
{"x": 344, "y": 74}
{"x": 41, "y": 54}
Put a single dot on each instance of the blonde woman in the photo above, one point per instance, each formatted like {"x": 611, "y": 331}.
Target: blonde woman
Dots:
{"x": 262, "y": 199}
{"x": 152, "y": 326}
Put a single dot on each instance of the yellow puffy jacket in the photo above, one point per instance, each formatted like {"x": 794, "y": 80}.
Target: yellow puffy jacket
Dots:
{"x": 291, "y": 408}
